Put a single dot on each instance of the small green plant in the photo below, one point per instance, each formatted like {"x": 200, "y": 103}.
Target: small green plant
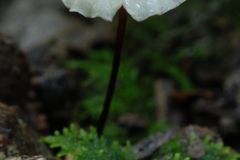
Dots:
{"x": 217, "y": 150}
{"x": 176, "y": 156}
{"x": 81, "y": 145}
{"x": 174, "y": 150}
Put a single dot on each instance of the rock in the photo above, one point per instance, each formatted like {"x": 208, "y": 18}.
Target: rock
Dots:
{"x": 14, "y": 73}
{"x": 16, "y": 137}
{"x": 195, "y": 149}
{"x": 39, "y": 157}
{"x": 232, "y": 86}
{"x": 55, "y": 86}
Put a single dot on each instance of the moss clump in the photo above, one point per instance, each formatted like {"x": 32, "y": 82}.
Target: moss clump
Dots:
{"x": 175, "y": 150}
{"x": 81, "y": 145}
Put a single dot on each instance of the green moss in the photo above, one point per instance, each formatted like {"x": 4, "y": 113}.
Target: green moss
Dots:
{"x": 217, "y": 151}
{"x": 174, "y": 150}
{"x": 82, "y": 145}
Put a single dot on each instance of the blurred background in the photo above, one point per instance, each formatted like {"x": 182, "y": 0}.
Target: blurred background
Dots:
{"x": 177, "y": 69}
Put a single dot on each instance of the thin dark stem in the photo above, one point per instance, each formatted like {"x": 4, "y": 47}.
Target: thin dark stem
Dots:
{"x": 115, "y": 65}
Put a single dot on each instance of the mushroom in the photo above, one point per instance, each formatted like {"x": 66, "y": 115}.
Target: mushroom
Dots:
{"x": 106, "y": 9}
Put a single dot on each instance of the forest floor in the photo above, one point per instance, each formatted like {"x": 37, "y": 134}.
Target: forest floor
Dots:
{"x": 177, "y": 69}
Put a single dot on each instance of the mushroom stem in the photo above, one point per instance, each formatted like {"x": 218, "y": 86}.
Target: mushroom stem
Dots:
{"x": 115, "y": 66}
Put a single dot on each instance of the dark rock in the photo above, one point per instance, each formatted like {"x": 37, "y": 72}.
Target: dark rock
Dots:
{"x": 55, "y": 86}
{"x": 16, "y": 137}
{"x": 14, "y": 73}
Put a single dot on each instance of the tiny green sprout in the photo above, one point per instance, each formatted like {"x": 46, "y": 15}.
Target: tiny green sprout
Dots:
{"x": 56, "y": 133}
{"x": 101, "y": 151}
{"x": 192, "y": 137}
{"x": 177, "y": 156}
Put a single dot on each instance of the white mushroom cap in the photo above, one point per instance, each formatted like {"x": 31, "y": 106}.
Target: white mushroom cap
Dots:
{"x": 106, "y": 9}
